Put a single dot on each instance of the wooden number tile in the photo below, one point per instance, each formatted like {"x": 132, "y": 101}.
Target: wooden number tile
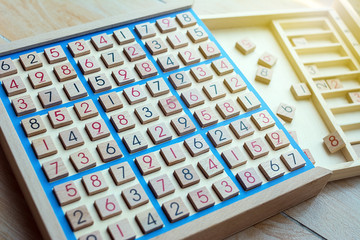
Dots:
{"x": 210, "y": 166}
{"x": 147, "y": 113}
{"x": 271, "y": 169}
{"x": 177, "y": 40}
{"x": 235, "y": 83}
{"x": 205, "y": 117}
{"x": 157, "y": 87}
{"x": 192, "y": 98}
{"x": 121, "y": 230}
{"x": 242, "y": 128}
{"x": 86, "y": 109}
{"x": 263, "y": 74}
{"x": 321, "y": 85}
{"x": 146, "y": 69}
{"x": 66, "y": 193}
{"x": 147, "y": 164}
{"x": 112, "y": 59}
{"x": 33, "y": 126}
{"x": 245, "y": 46}
{"x": 71, "y": 138}
{"x": 44, "y": 147}
{"x": 277, "y": 139}
{"x": 166, "y": 25}
{"x": 197, "y": 34}
{"x": 79, "y": 218}
{"x": 309, "y": 155}
{"x": 180, "y": 80}
{"x": 99, "y": 83}
{"x": 110, "y": 102}
{"x": 186, "y": 176}
{"x": 185, "y": 19}
{"x": 201, "y": 199}
{"x": 168, "y": 63}
{"x": 189, "y": 56}
{"x": 134, "y": 196}
{"x": 94, "y": 183}
{"x": 122, "y": 121}
{"x": 65, "y": 72}
{"x": 145, "y": 30}
{"x": 249, "y": 101}
{"x": 109, "y": 151}
{"x": 233, "y": 157}
{"x": 13, "y": 85}
{"x": 228, "y": 108}
{"x": 149, "y": 221}
{"x": 102, "y": 42}
{"x": 39, "y": 79}
{"x": 82, "y": 160}
{"x": 123, "y": 76}
{"x": 196, "y": 145}
{"x": 55, "y": 54}
{"x": 30, "y": 61}
{"x": 159, "y": 133}
{"x": 88, "y": 65}
{"x": 299, "y": 41}
{"x": 97, "y": 130}
{"x": 60, "y": 117}
{"x": 55, "y": 169}
{"x": 222, "y": 66}
{"x": 23, "y": 105}
{"x": 209, "y": 50}
{"x": 225, "y": 188}
{"x": 256, "y": 148}
{"x": 353, "y": 97}
{"x": 172, "y": 154}
{"x": 107, "y": 207}
{"x": 175, "y": 209}
{"x": 134, "y": 52}
{"x": 214, "y": 91}
{"x": 334, "y": 83}
{"x": 156, "y": 46}
{"x": 300, "y": 91}
{"x": 249, "y": 179}
{"x": 123, "y": 36}
{"x": 134, "y": 94}
{"x": 267, "y": 60}
{"x": 219, "y": 136}
{"x": 79, "y": 48}
{"x": 334, "y": 142}
{"x": 122, "y": 173}
{"x": 7, "y": 67}
{"x": 49, "y": 98}
{"x": 262, "y": 120}
{"x": 201, "y": 73}
{"x": 161, "y": 186}
{"x": 92, "y": 235}
{"x": 183, "y": 125}
{"x": 135, "y": 142}
{"x": 293, "y": 160}
{"x": 286, "y": 112}
{"x": 75, "y": 90}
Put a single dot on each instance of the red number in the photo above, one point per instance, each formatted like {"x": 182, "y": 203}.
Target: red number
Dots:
{"x": 256, "y": 147}
{"x": 193, "y": 97}
{"x": 149, "y": 161}
{"x": 102, "y": 39}
{"x": 206, "y": 115}
{"x": 223, "y": 64}
{"x": 202, "y": 73}
{"x": 212, "y": 164}
{"x": 249, "y": 177}
{"x": 122, "y": 119}
{"x": 86, "y": 108}
{"x": 59, "y": 114}
{"x": 46, "y": 146}
{"x": 267, "y": 58}
{"x": 80, "y": 46}
{"x": 83, "y": 156}
{"x": 228, "y": 107}
{"x": 237, "y": 81}
{"x": 69, "y": 188}
{"x": 40, "y": 75}
{"x": 134, "y": 91}
{"x": 200, "y": 196}
{"x": 65, "y": 69}
{"x": 227, "y": 186}
{"x": 123, "y": 73}
{"x": 276, "y": 136}
{"x": 264, "y": 117}
{"x": 54, "y": 53}
{"x": 22, "y": 101}
{"x": 246, "y": 43}
{"x": 134, "y": 53}
{"x": 172, "y": 151}
{"x": 110, "y": 206}
{"x": 88, "y": 63}
{"x": 13, "y": 84}
{"x": 209, "y": 48}
{"x": 97, "y": 126}
{"x": 333, "y": 139}
{"x": 146, "y": 67}
{"x": 56, "y": 166}
{"x": 170, "y": 103}
{"x": 95, "y": 180}
{"x": 161, "y": 131}
{"x": 162, "y": 183}
{"x": 189, "y": 58}
{"x": 166, "y": 22}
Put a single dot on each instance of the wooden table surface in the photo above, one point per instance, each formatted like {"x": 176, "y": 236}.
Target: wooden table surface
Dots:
{"x": 333, "y": 214}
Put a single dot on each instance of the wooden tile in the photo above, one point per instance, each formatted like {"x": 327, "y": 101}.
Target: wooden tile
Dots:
{"x": 294, "y": 136}
{"x": 334, "y": 83}
{"x": 201, "y": 73}
{"x": 39, "y": 79}
{"x": 225, "y": 188}
{"x": 166, "y": 25}
{"x": 159, "y": 133}
{"x": 122, "y": 173}
{"x": 177, "y": 40}
{"x": 43, "y": 147}
{"x": 66, "y": 193}
{"x": 222, "y": 66}
{"x": 157, "y": 87}
{"x": 334, "y": 142}
{"x": 168, "y": 63}
{"x": 242, "y": 128}
{"x": 353, "y": 97}
{"x": 82, "y": 160}
{"x": 122, "y": 121}
{"x": 262, "y": 120}
{"x": 59, "y": 118}
{"x": 146, "y": 69}
{"x": 13, "y": 86}
{"x": 300, "y": 91}
{"x": 321, "y": 85}
{"x": 209, "y": 50}
{"x": 147, "y": 163}
{"x": 219, "y": 136}
{"x": 49, "y": 98}
{"x": 123, "y": 36}
{"x": 55, "y": 54}
{"x": 23, "y": 105}
{"x": 135, "y": 142}
{"x": 71, "y": 138}
{"x": 185, "y": 19}
{"x": 233, "y": 157}
{"x": 248, "y": 101}
{"x": 235, "y": 83}
{"x": 161, "y": 186}
{"x": 214, "y": 91}
{"x": 186, "y": 176}
{"x": 95, "y": 235}
{"x": 309, "y": 155}
{"x": 102, "y": 42}
{"x": 121, "y": 230}
{"x": 145, "y": 30}
{"x": 134, "y": 196}
{"x": 7, "y": 67}
{"x": 228, "y": 108}
{"x": 201, "y": 199}
{"x": 299, "y": 41}
{"x": 292, "y": 160}
{"x": 196, "y": 145}
{"x": 245, "y": 46}
{"x": 97, "y": 130}
{"x": 205, "y": 117}
{"x": 249, "y": 179}
{"x": 75, "y": 90}
{"x": 263, "y": 74}
{"x": 30, "y": 61}
{"x": 65, "y": 72}
{"x": 256, "y": 148}
{"x": 192, "y": 98}
{"x": 149, "y": 221}
{"x": 183, "y": 125}
{"x": 94, "y": 183}
{"x": 99, "y": 83}
{"x": 79, "y": 218}
{"x": 107, "y": 207}
{"x": 188, "y": 56}
{"x": 277, "y": 139}
{"x": 123, "y": 76}
{"x": 271, "y": 169}
{"x": 109, "y": 151}
{"x": 267, "y": 60}
{"x": 88, "y": 65}
{"x": 86, "y": 109}
{"x": 79, "y": 48}
{"x": 112, "y": 59}
{"x": 55, "y": 170}
{"x": 210, "y": 166}
{"x": 156, "y": 46}
{"x": 134, "y": 94}
{"x": 175, "y": 209}
{"x": 147, "y": 113}
{"x": 134, "y": 52}
{"x": 180, "y": 80}
{"x": 286, "y": 112}
{"x": 197, "y": 34}
{"x": 172, "y": 154}
{"x": 110, "y": 101}
{"x": 33, "y": 126}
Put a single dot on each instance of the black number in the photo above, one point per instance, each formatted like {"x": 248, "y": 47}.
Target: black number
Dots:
{"x": 221, "y": 138}
{"x": 136, "y": 140}
{"x": 180, "y": 76}
{"x": 198, "y": 32}
{"x": 243, "y": 126}
{"x": 72, "y": 136}
{"x": 156, "y": 44}
{"x": 177, "y": 213}
{"x": 5, "y": 66}
{"x": 80, "y": 221}
{"x": 151, "y": 219}
{"x": 293, "y": 156}
{"x": 110, "y": 149}
{"x": 198, "y": 144}
{"x": 135, "y": 193}
{"x": 274, "y": 166}
{"x": 158, "y": 84}
{"x": 32, "y": 61}
{"x": 123, "y": 171}
{"x": 91, "y": 237}
{"x": 183, "y": 121}
{"x": 112, "y": 56}
{"x": 34, "y": 123}
{"x": 50, "y": 94}
{"x": 187, "y": 175}
{"x": 186, "y": 17}
{"x": 99, "y": 81}
{"x": 147, "y": 110}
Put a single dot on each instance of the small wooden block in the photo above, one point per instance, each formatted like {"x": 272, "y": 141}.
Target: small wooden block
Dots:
{"x": 33, "y": 126}
{"x": 186, "y": 176}
{"x": 271, "y": 169}
{"x": 97, "y": 130}
{"x": 262, "y": 120}
{"x": 201, "y": 199}
{"x": 188, "y": 56}
{"x": 192, "y": 98}
{"x": 146, "y": 69}
{"x": 172, "y": 154}
{"x": 161, "y": 186}
{"x": 110, "y": 102}
{"x": 205, "y": 117}
{"x": 209, "y": 50}
{"x": 277, "y": 139}
{"x": 55, "y": 54}
{"x": 107, "y": 207}
{"x": 248, "y": 101}
{"x": 23, "y": 105}
{"x": 156, "y": 46}
{"x": 183, "y": 125}
{"x": 66, "y": 193}
{"x": 75, "y": 90}
{"x": 177, "y": 40}
{"x": 168, "y": 63}
{"x": 71, "y": 138}
{"x": 121, "y": 230}
{"x": 79, "y": 48}
{"x": 134, "y": 94}
{"x": 82, "y": 160}
{"x": 166, "y": 25}
{"x": 7, "y": 67}
{"x": 134, "y": 196}
{"x": 123, "y": 76}
{"x": 102, "y": 42}
{"x": 175, "y": 209}
{"x": 88, "y": 65}
{"x": 210, "y": 166}
{"x": 112, "y": 59}
{"x": 249, "y": 179}
{"x": 222, "y": 66}
{"x": 43, "y": 147}
{"x": 149, "y": 221}
{"x": 300, "y": 91}
{"x": 263, "y": 74}
{"x": 13, "y": 86}
{"x": 79, "y": 218}
{"x": 334, "y": 142}
{"x": 123, "y": 36}
{"x": 228, "y": 109}
{"x": 65, "y": 72}
{"x": 147, "y": 163}
{"x": 157, "y": 87}
{"x": 235, "y": 84}
{"x": 94, "y": 183}
{"x": 49, "y": 98}
{"x": 134, "y": 52}
{"x": 245, "y": 46}
{"x": 145, "y": 30}
{"x": 334, "y": 83}
{"x": 225, "y": 188}
{"x": 286, "y": 112}
{"x": 86, "y": 109}
{"x": 312, "y": 70}
{"x": 39, "y": 79}
{"x": 196, "y": 145}
{"x": 256, "y": 148}
{"x": 147, "y": 113}
{"x": 214, "y": 91}
{"x": 59, "y": 118}
{"x": 159, "y": 133}
{"x": 92, "y": 235}
{"x": 185, "y": 19}
{"x": 201, "y": 73}
{"x": 180, "y": 80}
{"x": 299, "y": 41}
{"x": 219, "y": 136}
{"x": 233, "y": 157}
{"x": 55, "y": 169}
{"x": 122, "y": 121}
{"x": 322, "y": 85}
{"x": 353, "y": 97}
{"x": 122, "y": 173}
{"x": 267, "y": 60}
{"x": 135, "y": 142}
{"x": 197, "y": 34}
{"x": 242, "y": 128}
{"x": 109, "y": 151}
{"x": 292, "y": 160}
{"x": 99, "y": 83}
{"x": 309, "y": 155}
{"x": 30, "y": 61}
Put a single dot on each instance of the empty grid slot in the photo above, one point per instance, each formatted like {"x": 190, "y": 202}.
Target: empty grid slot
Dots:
{"x": 305, "y": 26}
{"x": 353, "y": 135}
{"x": 349, "y": 120}
{"x": 312, "y": 39}
{"x": 320, "y": 53}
